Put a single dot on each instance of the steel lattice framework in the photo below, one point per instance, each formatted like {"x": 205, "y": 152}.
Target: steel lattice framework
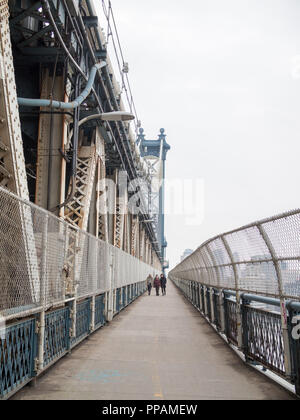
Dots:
{"x": 73, "y": 253}
{"x": 51, "y": 150}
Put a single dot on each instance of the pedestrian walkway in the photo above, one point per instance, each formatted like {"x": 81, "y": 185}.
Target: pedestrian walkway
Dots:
{"x": 159, "y": 348}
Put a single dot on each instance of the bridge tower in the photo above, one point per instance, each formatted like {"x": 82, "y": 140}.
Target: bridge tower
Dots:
{"x": 154, "y": 153}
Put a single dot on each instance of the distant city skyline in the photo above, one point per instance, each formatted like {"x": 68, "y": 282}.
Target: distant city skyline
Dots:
{"x": 187, "y": 252}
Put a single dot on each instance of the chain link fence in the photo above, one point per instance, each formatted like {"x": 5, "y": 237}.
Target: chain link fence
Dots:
{"x": 247, "y": 285}
{"x": 261, "y": 258}
{"x": 44, "y": 261}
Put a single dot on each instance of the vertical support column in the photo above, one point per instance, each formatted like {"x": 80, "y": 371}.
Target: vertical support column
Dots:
{"x": 110, "y": 308}
{"x": 200, "y": 298}
{"x": 244, "y": 303}
{"x": 112, "y": 200}
{"x": 102, "y": 205}
{"x": 106, "y": 296}
{"x": 205, "y": 301}
{"x": 76, "y": 282}
{"x": 12, "y": 168}
{"x": 43, "y": 295}
{"x": 212, "y": 307}
{"x": 220, "y": 299}
{"x": 120, "y": 208}
{"x": 283, "y": 311}
{"x": 93, "y": 300}
{"x": 92, "y": 326}
{"x": 50, "y": 169}
{"x": 237, "y": 291}
{"x": 126, "y": 295}
{"x": 222, "y": 310}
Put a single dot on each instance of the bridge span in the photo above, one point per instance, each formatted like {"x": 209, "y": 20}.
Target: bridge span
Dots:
{"x": 82, "y": 227}
{"x": 158, "y": 348}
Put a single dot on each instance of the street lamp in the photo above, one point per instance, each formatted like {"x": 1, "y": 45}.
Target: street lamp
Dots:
{"x": 106, "y": 116}
{"x": 109, "y": 116}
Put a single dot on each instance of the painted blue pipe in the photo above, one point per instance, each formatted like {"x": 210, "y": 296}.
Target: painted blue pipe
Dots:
{"x": 261, "y": 299}
{"x": 66, "y": 105}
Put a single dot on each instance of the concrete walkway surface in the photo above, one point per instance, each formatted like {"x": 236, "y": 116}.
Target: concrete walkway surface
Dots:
{"x": 158, "y": 348}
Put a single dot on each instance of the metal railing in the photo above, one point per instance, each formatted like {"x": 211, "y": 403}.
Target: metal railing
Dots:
{"x": 58, "y": 285}
{"x": 247, "y": 284}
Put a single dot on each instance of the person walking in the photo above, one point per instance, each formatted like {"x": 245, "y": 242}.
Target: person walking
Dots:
{"x": 149, "y": 284}
{"x": 156, "y": 284}
{"x": 163, "y": 283}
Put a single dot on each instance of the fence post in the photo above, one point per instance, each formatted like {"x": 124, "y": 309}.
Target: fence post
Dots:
{"x": 76, "y": 284}
{"x": 222, "y": 310}
{"x": 205, "y": 300}
{"x": 283, "y": 311}
{"x": 43, "y": 294}
{"x": 226, "y": 317}
{"x": 93, "y": 307}
{"x": 212, "y": 306}
{"x": 197, "y": 295}
{"x": 237, "y": 292}
{"x": 200, "y": 298}
{"x": 125, "y": 296}
{"x": 245, "y": 326}
{"x": 202, "y": 304}
{"x": 110, "y": 302}
{"x": 294, "y": 334}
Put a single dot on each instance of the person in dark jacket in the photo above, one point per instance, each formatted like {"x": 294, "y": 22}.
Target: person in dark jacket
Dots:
{"x": 163, "y": 283}
{"x": 156, "y": 284}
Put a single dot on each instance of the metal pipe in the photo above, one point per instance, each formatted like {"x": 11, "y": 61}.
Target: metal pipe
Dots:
{"x": 65, "y": 105}
{"x": 75, "y": 150}
{"x": 229, "y": 293}
{"x": 43, "y": 283}
{"x": 293, "y": 305}
{"x": 261, "y": 299}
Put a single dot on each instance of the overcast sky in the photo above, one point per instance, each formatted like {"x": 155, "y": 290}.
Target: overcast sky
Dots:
{"x": 223, "y": 78}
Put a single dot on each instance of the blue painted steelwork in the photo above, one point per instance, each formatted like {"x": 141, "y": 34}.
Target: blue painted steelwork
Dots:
{"x": 131, "y": 292}
{"x": 128, "y": 294}
{"x": 57, "y": 336}
{"x": 202, "y": 296}
{"x": 195, "y": 294}
{"x": 124, "y": 297}
{"x": 261, "y": 299}
{"x": 198, "y": 295}
{"x": 118, "y": 297}
{"x": 208, "y": 305}
{"x": 217, "y": 319}
{"x": 263, "y": 339}
{"x": 294, "y": 311}
{"x": 19, "y": 349}
{"x": 17, "y": 354}
{"x": 83, "y": 320}
{"x": 100, "y": 311}
{"x": 230, "y": 320}
{"x": 262, "y": 336}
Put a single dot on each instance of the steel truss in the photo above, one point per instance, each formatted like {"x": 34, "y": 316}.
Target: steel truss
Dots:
{"x": 59, "y": 42}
